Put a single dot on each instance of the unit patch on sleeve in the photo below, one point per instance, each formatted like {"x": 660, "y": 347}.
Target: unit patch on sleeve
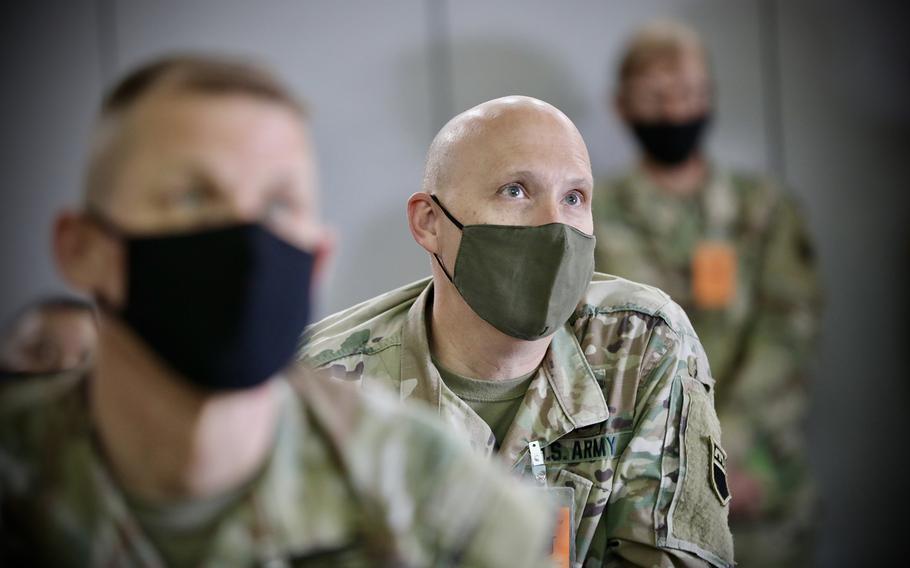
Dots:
{"x": 719, "y": 472}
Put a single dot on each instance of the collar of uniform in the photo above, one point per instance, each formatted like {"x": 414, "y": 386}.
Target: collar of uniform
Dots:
{"x": 572, "y": 380}
{"x": 565, "y": 383}
{"x": 421, "y": 380}
{"x": 300, "y": 469}
{"x": 95, "y": 484}
{"x": 643, "y": 199}
{"x": 268, "y": 530}
{"x": 563, "y": 397}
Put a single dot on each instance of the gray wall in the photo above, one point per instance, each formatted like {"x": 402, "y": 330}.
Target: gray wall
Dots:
{"x": 815, "y": 91}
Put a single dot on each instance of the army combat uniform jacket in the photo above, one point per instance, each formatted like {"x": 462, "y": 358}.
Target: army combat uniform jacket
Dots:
{"x": 622, "y": 405}
{"x": 758, "y": 343}
{"x": 350, "y": 483}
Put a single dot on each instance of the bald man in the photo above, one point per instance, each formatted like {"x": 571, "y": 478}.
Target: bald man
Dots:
{"x": 581, "y": 381}
{"x": 185, "y": 443}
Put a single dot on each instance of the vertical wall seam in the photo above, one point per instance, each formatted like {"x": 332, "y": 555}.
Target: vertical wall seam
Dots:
{"x": 775, "y": 139}
{"x": 439, "y": 60}
{"x": 106, "y": 16}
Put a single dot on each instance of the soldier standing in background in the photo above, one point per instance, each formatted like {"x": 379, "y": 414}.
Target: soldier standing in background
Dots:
{"x": 733, "y": 250}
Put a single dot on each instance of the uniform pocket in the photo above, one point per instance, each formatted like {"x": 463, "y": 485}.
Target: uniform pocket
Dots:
{"x": 580, "y": 486}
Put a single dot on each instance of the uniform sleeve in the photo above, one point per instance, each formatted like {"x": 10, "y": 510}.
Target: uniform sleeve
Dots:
{"x": 765, "y": 405}
{"x": 669, "y": 501}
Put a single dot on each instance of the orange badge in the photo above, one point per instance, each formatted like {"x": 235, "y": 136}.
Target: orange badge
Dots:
{"x": 713, "y": 274}
{"x": 562, "y": 538}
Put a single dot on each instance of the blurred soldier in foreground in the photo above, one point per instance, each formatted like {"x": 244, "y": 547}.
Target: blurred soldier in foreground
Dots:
{"x": 55, "y": 334}
{"x": 185, "y": 444}
{"x": 585, "y": 382}
{"x": 732, "y": 249}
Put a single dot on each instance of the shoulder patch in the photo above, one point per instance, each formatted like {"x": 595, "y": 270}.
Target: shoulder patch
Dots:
{"x": 699, "y": 511}
{"x": 365, "y": 329}
{"x": 719, "y": 472}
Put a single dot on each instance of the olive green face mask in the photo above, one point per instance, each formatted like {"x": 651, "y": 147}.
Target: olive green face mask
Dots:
{"x": 524, "y": 281}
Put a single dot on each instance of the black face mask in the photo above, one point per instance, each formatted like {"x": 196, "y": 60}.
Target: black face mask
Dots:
{"x": 223, "y": 307}
{"x": 670, "y": 143}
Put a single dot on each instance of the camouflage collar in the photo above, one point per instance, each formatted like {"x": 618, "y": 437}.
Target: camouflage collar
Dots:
{"x": 251, "y": 532}
{"x": 715, "y": 200}
{"x": 562, "y": 397}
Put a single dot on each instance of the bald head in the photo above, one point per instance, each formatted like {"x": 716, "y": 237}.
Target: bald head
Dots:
{"x": 514, "y": 161}
{"x": 511, "y": 161}
{"x": 490, "y": 130}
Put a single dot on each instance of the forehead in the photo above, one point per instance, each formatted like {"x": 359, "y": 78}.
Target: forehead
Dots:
{"x": 235, "y": 143}
{"x": 194, "y": 120}
{"x": 524, "y": 140}
{"x": 686, "y": 65}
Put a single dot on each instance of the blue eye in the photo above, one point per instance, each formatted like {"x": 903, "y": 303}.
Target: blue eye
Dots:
{"x": 514, "y": 191}
{"x": 574, "y": 199}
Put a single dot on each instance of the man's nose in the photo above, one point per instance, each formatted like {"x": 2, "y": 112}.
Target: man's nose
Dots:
{"x": 548, "y": 212}
{"x": 675, "y": 110}
{"x": 243, "y": 208}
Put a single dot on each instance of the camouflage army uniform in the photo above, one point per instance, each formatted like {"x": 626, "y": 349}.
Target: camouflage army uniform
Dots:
{"x": 350, "y": 482}
{"x": 622, "y": 405}
{"x": 758, "y": 346}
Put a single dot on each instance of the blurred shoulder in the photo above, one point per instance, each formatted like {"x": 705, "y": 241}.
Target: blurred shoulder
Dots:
{"x": 431, "y": 486}
{"x": 40, "y": 419}
{"x": 49, "y": 399}
{"x": 365, "y": 328}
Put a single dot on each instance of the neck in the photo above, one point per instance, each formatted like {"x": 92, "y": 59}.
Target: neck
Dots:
{"x": 164, "y": 439}
{"x": 681, "y": 179}
{"x": 468, "y": 346}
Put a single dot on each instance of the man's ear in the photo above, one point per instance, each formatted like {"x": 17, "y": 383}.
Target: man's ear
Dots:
{"x": 422, "y": 221}
{"x": 87, "y": 258}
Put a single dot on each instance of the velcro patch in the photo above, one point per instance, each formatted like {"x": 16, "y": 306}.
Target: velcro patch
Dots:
{"x": 593, "y": 448}
{"x": 719, "y": 472}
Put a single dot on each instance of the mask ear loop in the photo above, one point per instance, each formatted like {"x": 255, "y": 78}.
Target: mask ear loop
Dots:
{"x": 451, "y": 217}
{"x": 109, "y": 228}
{"x": 455, "y": 222}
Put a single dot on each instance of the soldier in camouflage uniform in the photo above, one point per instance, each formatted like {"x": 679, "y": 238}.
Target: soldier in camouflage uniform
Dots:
{"x": 732, "y": 249}
{"x": 201, "y": 451}
{"x": 614, "y": 388}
